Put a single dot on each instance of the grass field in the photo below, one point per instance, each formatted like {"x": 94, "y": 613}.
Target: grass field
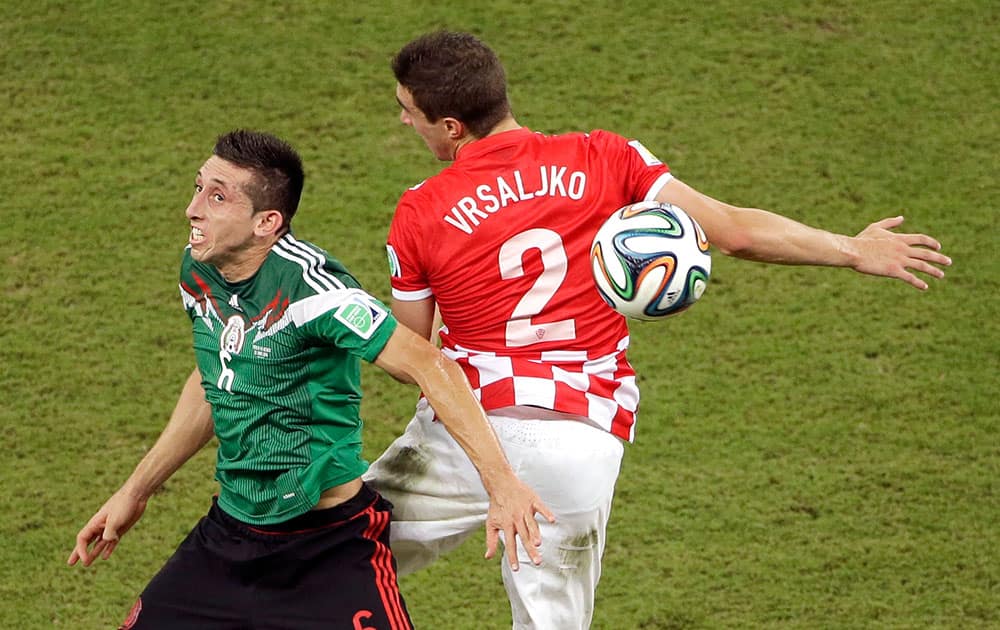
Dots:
{"x": 816, "y": 449}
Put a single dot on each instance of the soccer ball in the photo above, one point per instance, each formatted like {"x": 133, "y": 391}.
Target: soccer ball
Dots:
{"x": 650, "y": 260}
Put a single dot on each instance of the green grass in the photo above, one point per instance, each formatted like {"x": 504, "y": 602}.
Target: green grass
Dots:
{"x": 815, "y": 449}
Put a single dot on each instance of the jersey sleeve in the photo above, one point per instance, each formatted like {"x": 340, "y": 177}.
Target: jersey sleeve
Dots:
{"x": 407, "y": 276}
{"x": 349, "y": 319}
{"x": 642, "y": 173}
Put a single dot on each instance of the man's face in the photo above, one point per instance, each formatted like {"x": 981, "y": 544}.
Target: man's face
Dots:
{"x": 435, "y": 134}
{"x": 221, "y": 214}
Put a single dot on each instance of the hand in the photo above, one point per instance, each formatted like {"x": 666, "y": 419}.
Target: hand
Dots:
{"x": 891, "y": 254}
{"x": 101, "y": 534}
{"x": 512, "y": 511}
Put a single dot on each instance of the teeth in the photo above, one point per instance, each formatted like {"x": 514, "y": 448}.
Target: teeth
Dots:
{"x": 196, "y": 233}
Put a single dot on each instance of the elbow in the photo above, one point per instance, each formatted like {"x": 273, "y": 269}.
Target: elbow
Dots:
{"x": 731, "y": 230}
{"x": 738, "y": 243}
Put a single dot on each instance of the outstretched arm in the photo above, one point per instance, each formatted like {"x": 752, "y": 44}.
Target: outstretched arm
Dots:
{"x": 189, "y": 429}
{"x": 412, "y": 359}
{"x": 768, "y": 237}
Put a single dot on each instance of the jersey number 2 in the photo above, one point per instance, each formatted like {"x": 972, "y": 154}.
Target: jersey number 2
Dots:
{"x": 521, "y": 330}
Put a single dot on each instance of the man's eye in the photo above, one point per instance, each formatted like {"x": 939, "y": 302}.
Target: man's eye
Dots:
{"x": 197, "y": 188}
{"x": 219, "y": 198}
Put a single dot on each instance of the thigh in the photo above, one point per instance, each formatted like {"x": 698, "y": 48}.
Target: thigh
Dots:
{"x": 573, "y": 467}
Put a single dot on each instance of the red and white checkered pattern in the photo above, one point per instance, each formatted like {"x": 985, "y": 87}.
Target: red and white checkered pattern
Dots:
{"x": 602, "y": 389}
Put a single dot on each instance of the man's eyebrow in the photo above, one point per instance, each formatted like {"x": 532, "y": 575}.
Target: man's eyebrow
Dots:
{"x": 401, "y": 104}
{"x": 215, "y": 180}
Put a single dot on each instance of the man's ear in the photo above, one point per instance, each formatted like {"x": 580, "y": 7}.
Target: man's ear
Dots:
{"x": 455, "y": 127}
{"x": 269, "y": 223}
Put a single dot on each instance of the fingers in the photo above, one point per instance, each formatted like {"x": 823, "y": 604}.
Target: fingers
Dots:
{"x": 911, "y": 279}
{"x": 97, "y": 539}
{"x": 491, "y": 542}
{"x": 510, "y": 544}
{"x": 541, "y": 508}
{"x": 109, "y": 540}
{"x": 925, "y": 267}
{"x": 921, "y": 253}
{"x": 913, "y": 240}
{"x": 887, "y": 223}
{"x": 109, "y": 547}
{"x": 529, "y": 533}
{"x": 920, "y": 240}
{"x": 930, "y": 256}
{"x": 80, "y": 552}
{"x": 110, "y": 533}
{"x": 920, "y": 261}
{"x": 518, "y": 526}
{"x": 900, "y": 255}
{"x": 524, "y": 531}
{"x": 534, "y": 534}
{"x": 492, "y": 539}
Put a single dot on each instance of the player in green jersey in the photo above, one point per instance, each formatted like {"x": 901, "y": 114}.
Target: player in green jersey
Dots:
{"x": 295, "y": 539}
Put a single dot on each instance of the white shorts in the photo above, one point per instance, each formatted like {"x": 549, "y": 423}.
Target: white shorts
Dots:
{"x": 440, "y": 501}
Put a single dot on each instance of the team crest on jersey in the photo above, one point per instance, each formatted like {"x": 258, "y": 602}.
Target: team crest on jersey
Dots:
{"x": 395, "y": 270}
{"x": 233, "y": 335}
{"x": 361, "y": 315}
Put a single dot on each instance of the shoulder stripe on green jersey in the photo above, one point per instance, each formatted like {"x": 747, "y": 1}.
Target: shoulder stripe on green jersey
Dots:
{"x": 311, "y": 261}
{"x": 304, "y": 311}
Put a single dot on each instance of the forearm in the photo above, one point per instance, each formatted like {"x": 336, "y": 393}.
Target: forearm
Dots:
{"x": 189, "y": 429}
{"x": 767, "y": 237}
{"x": 760, "y": 235}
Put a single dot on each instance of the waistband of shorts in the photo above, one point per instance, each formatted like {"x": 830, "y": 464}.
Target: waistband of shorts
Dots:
{"x": 531, "y": 412}
{"x": 313, "y": 520}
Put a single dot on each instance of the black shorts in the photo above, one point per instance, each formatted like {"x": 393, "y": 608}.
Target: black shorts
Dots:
{"x": 325, "y": 569}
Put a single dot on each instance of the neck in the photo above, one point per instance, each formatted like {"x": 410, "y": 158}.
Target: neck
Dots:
{"x": 246, "y": 264}
{"x": 507, "y": 124}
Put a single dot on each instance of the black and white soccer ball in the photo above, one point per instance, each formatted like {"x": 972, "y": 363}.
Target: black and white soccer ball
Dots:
{"x": 650, "y": 260}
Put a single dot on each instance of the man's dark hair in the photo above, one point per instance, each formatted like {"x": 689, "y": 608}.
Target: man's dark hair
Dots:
{"x": 455, "y": 75}
{"x": 277, "y": 170}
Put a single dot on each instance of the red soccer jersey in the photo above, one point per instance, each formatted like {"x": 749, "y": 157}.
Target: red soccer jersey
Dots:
{"x": 501, "y": 240}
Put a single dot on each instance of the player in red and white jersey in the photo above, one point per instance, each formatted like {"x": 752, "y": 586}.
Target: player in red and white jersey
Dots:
{"x": 506, "y": 250}
{"x": 499, "y": 243}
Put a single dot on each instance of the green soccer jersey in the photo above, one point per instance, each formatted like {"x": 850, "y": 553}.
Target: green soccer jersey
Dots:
{"x": 279, "y": 355}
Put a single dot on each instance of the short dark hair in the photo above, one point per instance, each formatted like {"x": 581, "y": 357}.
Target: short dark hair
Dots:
{"x": 454, "y": 74}
{"x": 278, "y": 175}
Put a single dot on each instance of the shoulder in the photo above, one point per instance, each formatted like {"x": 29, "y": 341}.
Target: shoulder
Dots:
{"x": 411, "y": 209}
{"x": 605, "y": 137}
{"x": 412, "y": 195}
{"x": 597, "y": 140}
{"x": 306, "y": 268}
{"x": 430, "y": 187}
{"x": 594, "y": 135}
